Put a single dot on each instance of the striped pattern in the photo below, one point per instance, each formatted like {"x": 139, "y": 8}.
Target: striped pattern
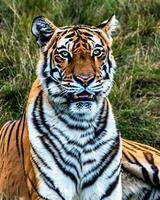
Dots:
{"x": 12, "y": 163}
{"x": 6, "y": 135}
{"x": 148, "y": 170}
{"x": 141, "y": 171}
{"x": 82, "y": 157}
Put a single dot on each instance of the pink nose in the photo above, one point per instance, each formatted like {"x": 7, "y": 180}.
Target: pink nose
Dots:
{"x": 84, "y": 80}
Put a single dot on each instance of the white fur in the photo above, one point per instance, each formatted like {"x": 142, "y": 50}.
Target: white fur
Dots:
{"x": 64, "y": 183}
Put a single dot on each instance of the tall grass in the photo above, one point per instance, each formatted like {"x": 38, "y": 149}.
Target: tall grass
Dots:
{"x": 136, "y": 93}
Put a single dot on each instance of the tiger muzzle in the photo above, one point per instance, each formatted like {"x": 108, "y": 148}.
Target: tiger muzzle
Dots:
{"x": 84, "y": 80}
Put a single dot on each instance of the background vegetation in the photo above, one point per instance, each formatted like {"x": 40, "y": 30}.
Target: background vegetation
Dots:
{"x": 136, "y": 93}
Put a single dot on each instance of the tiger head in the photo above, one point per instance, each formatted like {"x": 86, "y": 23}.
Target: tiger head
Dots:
{"x": 76, "y": 67}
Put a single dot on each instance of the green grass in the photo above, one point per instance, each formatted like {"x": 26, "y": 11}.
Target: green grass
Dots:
{"x": 136, "y": 93}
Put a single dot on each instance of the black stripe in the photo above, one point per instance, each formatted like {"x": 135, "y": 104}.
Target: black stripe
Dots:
{"x": 44, "y": 65}
{"x": 70, "y": 35}
{"x": 101, "y": 37}
{"x": 102, "y": 57}
{"x": 69, "y": 40}
{"x": 87, "y": 34}
{"x": 70, "y": 153}
{"x": 21, "y": 140}
{"x": 62, "y": 47}
{"x": 84, "y": 45}
{"x": 146, "y": 194}
{"x": 86, "y": 28}
{"x": 106, "y": 73}
{"x": 48, "y": 77}
{"x": 35, "y": 189}
{"x": 97, "y": 146}
{"x": 150, "y": 160}
{"x": 129, "y": 148}
{"x": 115, "y": 170}
{"x": 75, "y": 43}
{"x": 107, "y": 158}
{"x": 9, "y": 134}
{"x": 47, "y": 180}
{"x": 144, "y": 171}
{"x": 4, "y": 134}
{"x": 67, "y": 163}
{"x": 105, "y": 162}
{"x": 127, "y": 158}
{"x": 34, "y": 118}
{"x": 99, "y": 45}
{"x": 39, "y": 157}
{"x": 102, "y": 120}
{"x": 109, "y": 61}
{"x": 63, "y": 169}
{"x": 109, "y": 190}
{"x": 89, "y": 161}
{"x": 74, "y": 143}
{"x": 44, "y": 123}
{"x": 67, "y": 152}
{"x": 155, "y": 175}
{"x": 17, "y": 135}
{"x": 62, "y": 33}
{"x": 62, "y": 133}
{"x": 3, "y": 128}
{"x": 71, "y": 126}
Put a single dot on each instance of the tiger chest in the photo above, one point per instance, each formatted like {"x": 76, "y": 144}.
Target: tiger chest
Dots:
{"x": 71, "y": 164}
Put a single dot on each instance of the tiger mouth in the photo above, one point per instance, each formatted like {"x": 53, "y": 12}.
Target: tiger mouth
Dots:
{"x": 84, "y": 96}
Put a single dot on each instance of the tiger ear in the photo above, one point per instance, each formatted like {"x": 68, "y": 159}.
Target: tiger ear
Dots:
{"x": 109, "y": 25}
{"x": 43, "y": 30}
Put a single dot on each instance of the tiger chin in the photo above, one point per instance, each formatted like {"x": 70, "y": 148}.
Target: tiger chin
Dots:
{"x": 66, "y": 145}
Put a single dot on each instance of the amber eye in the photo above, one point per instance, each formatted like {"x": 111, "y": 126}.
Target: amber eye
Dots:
{"x": 64, "y": 54}
{"x": 97, "y": 52}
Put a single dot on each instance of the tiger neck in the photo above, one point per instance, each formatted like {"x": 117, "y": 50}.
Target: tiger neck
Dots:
{"x": 103, "y": 119}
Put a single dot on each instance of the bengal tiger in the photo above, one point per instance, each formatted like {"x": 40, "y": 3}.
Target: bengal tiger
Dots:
{"x": 66, "y": 145}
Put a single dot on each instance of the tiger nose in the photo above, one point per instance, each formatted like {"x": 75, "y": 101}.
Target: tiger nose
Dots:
{"x": 84, "y": 80}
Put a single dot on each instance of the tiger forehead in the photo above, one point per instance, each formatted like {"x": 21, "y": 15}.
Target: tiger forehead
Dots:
{"x": 79, "y": 37}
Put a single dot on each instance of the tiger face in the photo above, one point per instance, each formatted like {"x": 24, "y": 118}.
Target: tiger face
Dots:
{"x": 76, "y": 66}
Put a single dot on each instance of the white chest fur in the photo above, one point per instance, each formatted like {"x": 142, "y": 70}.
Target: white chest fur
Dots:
{"x": 73, "y": 164}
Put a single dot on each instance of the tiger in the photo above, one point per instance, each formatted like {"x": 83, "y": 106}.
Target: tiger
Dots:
{"x": 66, "y": 145}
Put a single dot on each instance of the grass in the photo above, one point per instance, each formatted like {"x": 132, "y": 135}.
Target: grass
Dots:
{"x": 136, "y": 93}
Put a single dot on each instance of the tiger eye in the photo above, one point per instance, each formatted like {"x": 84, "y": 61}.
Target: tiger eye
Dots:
{"x": 64, "y": 54}
{"x": 97, "y": 52}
